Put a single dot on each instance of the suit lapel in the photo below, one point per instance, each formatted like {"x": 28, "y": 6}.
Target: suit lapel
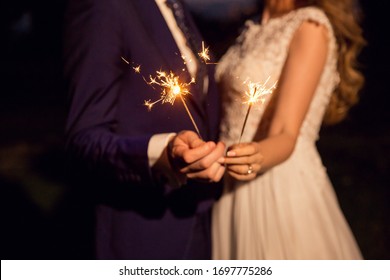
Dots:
{"x": 160, "y": 34}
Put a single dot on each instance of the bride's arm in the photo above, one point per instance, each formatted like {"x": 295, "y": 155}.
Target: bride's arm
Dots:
{"x": 296, "y": 86}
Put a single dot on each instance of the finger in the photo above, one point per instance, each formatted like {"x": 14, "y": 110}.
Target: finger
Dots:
{"x": 241, "y": 177}
{"x": 195, "y": 143}
{"x": 184, "y": 138}
{"x": 188, "y": 138}
{"x": 189, "y": 155}
{"x": 244, "y": 169}
{"x": 210, "y": 174}
{"x": 241, "y": 169}
{"x": 256, "y": 158}
{"x": 220, "y": 173}
{"x": 237, "y": 160}
{"x": 243, "y": 149}
{"x": 252, "y": 159}
{"x": 207, "y": 160}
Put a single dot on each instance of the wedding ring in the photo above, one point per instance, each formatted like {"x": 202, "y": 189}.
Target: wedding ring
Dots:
{"x": 250, "y": 169}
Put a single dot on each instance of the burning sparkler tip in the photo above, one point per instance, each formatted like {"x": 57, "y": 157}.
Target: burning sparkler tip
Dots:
{"x": 256, "y": 92}
{"x": 204, "y": 54}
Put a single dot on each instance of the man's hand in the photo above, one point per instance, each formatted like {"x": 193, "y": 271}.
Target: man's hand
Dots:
{"x": 196, "y": 159}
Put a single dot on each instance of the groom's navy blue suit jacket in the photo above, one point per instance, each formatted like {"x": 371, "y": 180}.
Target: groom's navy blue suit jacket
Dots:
{"x": 108, "y": 130}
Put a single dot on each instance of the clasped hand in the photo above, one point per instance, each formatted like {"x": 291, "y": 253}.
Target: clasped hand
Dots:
{"x": 243, "y": 161}
{"x": 196, "y": 159}
{"x": 206, "y": 161}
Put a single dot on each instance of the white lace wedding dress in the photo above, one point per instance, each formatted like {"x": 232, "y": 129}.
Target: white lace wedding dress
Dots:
{"x": 291, "y": 211}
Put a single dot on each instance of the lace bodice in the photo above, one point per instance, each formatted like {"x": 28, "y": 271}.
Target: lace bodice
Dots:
{"x": 290, "y": 211}
{"x": 260, "y": 53}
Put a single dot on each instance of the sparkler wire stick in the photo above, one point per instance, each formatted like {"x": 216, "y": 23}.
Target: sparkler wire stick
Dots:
{"x": 245, "y": 120}
{"x": 190, "y": 115}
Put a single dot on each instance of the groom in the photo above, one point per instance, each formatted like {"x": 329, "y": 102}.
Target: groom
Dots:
{"x": 153, "y": 181}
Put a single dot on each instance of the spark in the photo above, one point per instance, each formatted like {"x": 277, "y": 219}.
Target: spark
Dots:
{"x": 125, "y": 60}
{"x": 171, "y": 87}
{"x": 255, "y": 93}
{"x": 137, "y": 69}
{"x": 204, "y": 54}
{"x": 150, "y": 104}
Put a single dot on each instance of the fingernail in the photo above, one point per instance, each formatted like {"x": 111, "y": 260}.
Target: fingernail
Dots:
{"x": 231, "y": 153}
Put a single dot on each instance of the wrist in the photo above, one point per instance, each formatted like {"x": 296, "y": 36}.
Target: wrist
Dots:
{"x": 178, "y": 178}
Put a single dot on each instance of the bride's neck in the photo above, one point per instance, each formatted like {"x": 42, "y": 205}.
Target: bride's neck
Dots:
{"x": 277, "y": 8}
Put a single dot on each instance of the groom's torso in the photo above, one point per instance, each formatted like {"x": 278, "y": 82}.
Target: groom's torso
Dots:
{"x": 149, "y": 222}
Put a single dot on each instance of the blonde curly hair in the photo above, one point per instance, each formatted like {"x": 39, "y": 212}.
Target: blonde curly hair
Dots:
{"x": 344, "y": 16}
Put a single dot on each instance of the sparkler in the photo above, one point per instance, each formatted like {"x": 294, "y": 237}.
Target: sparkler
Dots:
{"x": 204, "y": 54}
{"x": 255, "y": 93}
{"x": 171, "y": 88}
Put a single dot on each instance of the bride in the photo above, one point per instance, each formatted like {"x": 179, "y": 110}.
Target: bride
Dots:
{"x": 278, "y": 202}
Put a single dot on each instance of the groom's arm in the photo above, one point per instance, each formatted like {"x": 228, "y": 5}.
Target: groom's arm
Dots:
{"x": 94, "y": 73}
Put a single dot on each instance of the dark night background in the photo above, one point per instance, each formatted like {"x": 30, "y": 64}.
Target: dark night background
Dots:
{"x": 43, "y": 217}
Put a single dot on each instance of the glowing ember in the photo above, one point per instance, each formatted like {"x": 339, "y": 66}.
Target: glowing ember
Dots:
{"x": 256, "y": 92}
{"x": 171, "y": 88}
{"x": 204, "y": 54}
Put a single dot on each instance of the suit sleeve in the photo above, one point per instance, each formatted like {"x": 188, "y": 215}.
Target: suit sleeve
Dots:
{"x": 93, "y": 72}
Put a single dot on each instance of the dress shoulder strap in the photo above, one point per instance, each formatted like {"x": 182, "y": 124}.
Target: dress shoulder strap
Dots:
{"x": 313, "y": 14}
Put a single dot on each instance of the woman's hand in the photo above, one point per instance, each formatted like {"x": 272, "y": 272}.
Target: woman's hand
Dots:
{"x": 244, "y": 161}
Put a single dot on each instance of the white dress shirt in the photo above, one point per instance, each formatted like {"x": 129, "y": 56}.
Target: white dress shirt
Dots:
{"x": 158, "y": 142}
